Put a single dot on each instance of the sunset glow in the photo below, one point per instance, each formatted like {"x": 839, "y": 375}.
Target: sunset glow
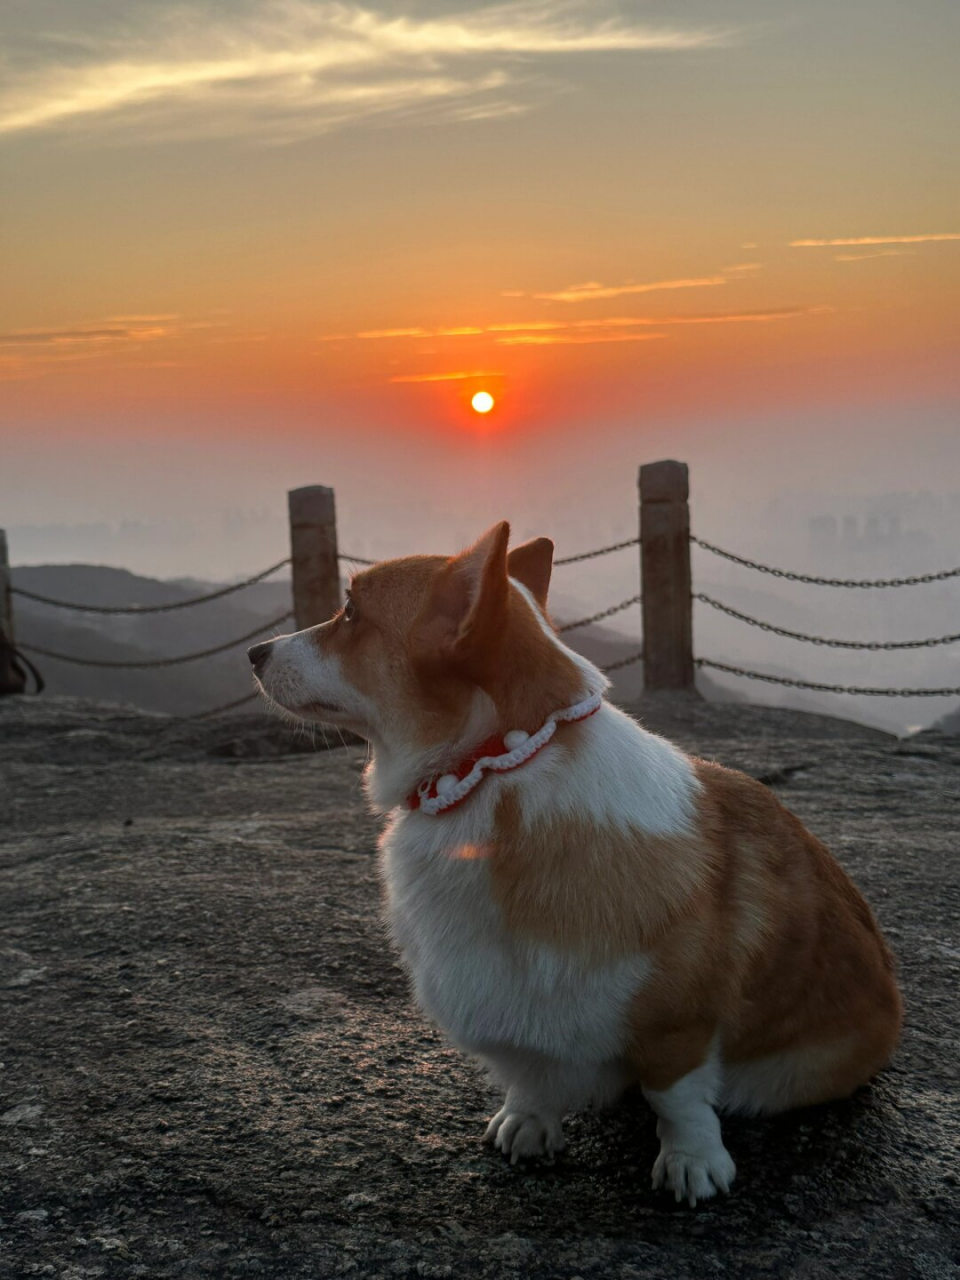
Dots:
{"x": 482, "y": 402}
{"x": 248, "y": 246}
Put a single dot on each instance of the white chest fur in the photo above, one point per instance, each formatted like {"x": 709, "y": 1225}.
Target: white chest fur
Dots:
{"x": 487, "y": 988}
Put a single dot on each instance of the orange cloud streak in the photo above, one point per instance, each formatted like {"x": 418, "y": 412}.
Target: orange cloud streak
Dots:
{"x": 820, "y": 244}
{"x": 587, "y": 292}
{"x": 532, "y": 327}
{"x": 524, "y": 325}
{"x": 573, "y": 339}
{"x": 395, "y": 333}
{"x": 863, "y": 257}
{"x": 444, "y": 377}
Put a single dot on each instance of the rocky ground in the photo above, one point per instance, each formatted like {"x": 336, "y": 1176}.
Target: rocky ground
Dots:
{"x": 210, "y": 1065}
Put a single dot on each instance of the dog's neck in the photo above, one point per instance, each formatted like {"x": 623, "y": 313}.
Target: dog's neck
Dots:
{"x": 435, "y": 782}
{"x": 395, "y": 769}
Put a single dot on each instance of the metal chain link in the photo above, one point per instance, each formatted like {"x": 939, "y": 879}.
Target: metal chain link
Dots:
{"x": 826, "y": 688}
{"x": 597, "y": 617}
{"x": 247, "y": 582}
{"x": 158, "y": 662}
{"x": 624, "y": 662}
{"x": 825, "y": 582}
{"x": 584, "y": 555}
{"x": 833, "y": 644}
{"x": 600, "y": 551}
{"x": 151, "y": 608}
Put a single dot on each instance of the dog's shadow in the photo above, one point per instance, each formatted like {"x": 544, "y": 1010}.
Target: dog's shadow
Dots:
{"x": 804, "y": 1166}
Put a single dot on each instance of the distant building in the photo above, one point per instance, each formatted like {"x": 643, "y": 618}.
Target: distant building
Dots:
{"x": 876, "y": 532}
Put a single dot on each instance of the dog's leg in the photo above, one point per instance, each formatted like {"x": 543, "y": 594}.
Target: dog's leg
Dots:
{"x": 693, "y": 1162}
{"x": 540, "y": 1091}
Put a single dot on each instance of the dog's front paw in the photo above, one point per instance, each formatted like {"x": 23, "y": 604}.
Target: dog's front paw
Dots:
{"x": 694, "y": 1176}
{"x": 521, "y": 1134}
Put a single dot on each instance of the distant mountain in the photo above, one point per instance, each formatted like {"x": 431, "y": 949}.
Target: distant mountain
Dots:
{"x": 178, "y": 690}
{"x": 102, "y": 585}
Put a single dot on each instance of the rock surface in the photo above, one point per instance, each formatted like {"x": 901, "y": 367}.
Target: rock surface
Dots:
{"x": 211, "y": 1066}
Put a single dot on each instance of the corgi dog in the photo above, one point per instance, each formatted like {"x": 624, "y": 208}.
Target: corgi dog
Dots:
{"x": 580, "y": 905}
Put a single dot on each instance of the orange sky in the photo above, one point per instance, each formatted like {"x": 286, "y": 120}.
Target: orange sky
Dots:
{"x": 253, "y": 225}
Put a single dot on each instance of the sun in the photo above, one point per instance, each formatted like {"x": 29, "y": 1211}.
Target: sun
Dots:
{"x": 482, "y": 402}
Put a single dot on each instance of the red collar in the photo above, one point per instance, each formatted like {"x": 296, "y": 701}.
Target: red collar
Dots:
{"x": 443, "y": 792}
{"x": 491, "y": 748}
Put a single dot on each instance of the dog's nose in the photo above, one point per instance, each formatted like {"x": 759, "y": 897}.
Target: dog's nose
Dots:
{"x": 259, "y": 655}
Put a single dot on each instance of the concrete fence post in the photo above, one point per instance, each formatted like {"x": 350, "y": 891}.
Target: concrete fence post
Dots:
{"x": 667, "y": 601}
{"x": 313, "y": 550}
{"x": 10, "y": 680}
{"x": 6, "y": 598}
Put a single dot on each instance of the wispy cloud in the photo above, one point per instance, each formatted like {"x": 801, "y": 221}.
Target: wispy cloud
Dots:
{"x": 825, "y": 244}
{"x": 592, "y": 290}
{"x": 573, "y": 339}
{"x": 459, "y": 376}
{"x": 36, "y": 359}
{"x": 459, "y": 331}
{"x": 527, "y": 324}
{"x": 530, "y": 332}
{"x": 163, "y": 318}
{"x": 288, "y": 68}
{"x": 69, "y": 337}
{"x": 741, "y": 317}
{"x": 584, "y": 331}
{"x": 863, "y": 257}
{"x": 136, "y": 341}
{"x": 394, "y": 333}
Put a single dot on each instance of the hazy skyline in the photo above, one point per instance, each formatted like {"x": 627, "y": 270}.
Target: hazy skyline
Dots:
{"x": 254, "y": 245}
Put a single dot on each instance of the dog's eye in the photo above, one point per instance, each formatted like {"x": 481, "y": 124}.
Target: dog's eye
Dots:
{"x": 349, "y": 609}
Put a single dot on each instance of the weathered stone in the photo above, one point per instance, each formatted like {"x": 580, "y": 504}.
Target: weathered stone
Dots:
{"x": 214, "y": 1068}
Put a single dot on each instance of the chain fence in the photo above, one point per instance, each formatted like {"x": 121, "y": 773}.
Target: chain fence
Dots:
{"x": 824, "y": 640}
{"x": 136, "y": 610}
{"x": 140, "y": 665}
{"x": 600, "y": 616}
{"x": 151, "y": 608}
{"x": 583, "y": 555}
{"x": 173, "y": 604}
{"x": 623, "y": 662}
{"x": 825, "y": 688}
{"x": 790, "y": 576}
{"x": 600, "y": 551}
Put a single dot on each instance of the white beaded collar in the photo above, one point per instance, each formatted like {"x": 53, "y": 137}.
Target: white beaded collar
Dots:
{"x": 445, "y": 791}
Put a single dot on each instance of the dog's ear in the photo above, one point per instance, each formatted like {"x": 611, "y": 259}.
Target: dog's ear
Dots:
{"x": 466, "y": 610}
{"x": 531, "y": 564}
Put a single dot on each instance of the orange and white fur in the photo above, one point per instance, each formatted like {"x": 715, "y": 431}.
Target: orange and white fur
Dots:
{"x": 611, "y": 912}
